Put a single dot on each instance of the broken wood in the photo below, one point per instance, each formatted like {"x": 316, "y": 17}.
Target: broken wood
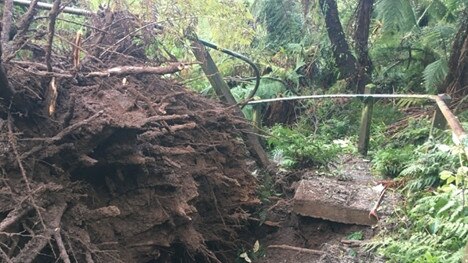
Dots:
{"x": 127, "y": 70}
{"x": 298, "y": 249}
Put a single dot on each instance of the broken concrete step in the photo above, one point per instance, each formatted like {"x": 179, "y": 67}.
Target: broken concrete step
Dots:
{"x": 346, "y": 202}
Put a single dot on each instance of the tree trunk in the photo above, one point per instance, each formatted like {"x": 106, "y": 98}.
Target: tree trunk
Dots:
{"x": 361, "y": 39}
{"x": 456, "y": 82}
{"x": 345, "y": 61}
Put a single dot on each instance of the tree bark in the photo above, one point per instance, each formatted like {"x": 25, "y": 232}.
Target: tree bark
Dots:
{"x": 345, "y": 61}
{"x": 456, "y": 82}
{"x": 361, "y": 39}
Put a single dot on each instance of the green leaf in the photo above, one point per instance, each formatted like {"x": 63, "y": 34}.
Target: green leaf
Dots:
{"x": 396, "y": 14}
{"x": 434, "y": 75}
{"x": 444, "y": 175}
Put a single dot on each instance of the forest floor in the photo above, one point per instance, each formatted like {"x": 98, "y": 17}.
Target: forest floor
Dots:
{"x": 289, "y": 237}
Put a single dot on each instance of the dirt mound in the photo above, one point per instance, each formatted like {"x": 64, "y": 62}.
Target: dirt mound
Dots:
{"x": 134, "y": 170}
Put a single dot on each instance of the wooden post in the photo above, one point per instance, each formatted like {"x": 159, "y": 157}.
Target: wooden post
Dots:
{"x": 224, "y": 93}
{"x": 256, "y": 117}
{"x": 212, "y": 73}
{"x": 438, "y": 120}
{"x": 366, "y": 120}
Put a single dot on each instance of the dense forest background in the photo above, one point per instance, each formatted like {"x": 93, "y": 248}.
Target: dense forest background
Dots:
{"x": 302, "y": 47}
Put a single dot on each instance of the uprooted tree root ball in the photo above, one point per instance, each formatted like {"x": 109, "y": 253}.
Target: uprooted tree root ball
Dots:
{"x": 101, "y": 162}
{"x": 131, "y": 173}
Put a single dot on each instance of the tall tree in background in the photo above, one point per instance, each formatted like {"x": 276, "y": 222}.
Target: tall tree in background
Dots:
{"x": 344, "y": 60}
{"x": 361, "y": 43}
{"x": 356, "y": 71}
{"x": 456, "y": 82}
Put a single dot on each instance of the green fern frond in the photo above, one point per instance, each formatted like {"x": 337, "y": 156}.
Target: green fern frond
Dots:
{"x": 396, "y": 14}
{"x": 434, "y": 74}
{"x": 282, "y": 19}
{"x": 437, "y": 34}
{"x": 406, "y": 103}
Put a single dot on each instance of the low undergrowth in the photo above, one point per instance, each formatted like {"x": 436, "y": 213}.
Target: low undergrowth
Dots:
{"x": 431, "y": 223}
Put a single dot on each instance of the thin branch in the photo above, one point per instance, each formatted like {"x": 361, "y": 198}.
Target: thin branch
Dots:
{"x": 81, "y": 24}
{"x": 53, "y": 16}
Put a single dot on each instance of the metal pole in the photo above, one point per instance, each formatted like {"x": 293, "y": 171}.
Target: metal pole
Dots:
{"x": 377, "y": 96}
{"x": 47, "y": 6}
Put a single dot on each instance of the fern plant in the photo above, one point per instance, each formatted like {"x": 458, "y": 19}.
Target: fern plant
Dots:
{"x": 433, "y": 225}
{"x": 294, "y": 149}
{"x": 282, "y": 20}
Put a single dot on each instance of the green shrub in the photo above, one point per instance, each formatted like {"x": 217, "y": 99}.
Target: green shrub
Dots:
{"x": 293, "y": 148}
{"x": 390, "y": 162}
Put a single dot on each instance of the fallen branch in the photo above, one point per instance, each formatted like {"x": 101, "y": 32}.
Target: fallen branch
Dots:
{"x": 36, "y": 65}
{"x": 127, "y": 70}
{"x": 173, "y": 150}
{"x": 298, "y": 249}
{"x": 46, "y": 73}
